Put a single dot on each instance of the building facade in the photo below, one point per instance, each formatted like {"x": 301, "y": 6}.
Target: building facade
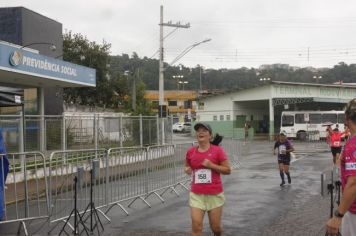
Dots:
{"x": 21, "y": 26}
{"x": 181, "y": 104}
{"x": 261, "y": 107}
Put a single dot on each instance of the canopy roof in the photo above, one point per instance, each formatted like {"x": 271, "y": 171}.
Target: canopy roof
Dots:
{"x": 11, "y": 97}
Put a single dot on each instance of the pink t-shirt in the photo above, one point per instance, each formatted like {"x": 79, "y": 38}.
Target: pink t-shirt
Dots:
{"x": 348, "y": 166}
{"x": 195, "y": 158}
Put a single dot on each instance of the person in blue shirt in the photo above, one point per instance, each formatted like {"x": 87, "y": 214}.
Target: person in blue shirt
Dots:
{"x": 4, "y": 163}
{"x": 4, "y": 170}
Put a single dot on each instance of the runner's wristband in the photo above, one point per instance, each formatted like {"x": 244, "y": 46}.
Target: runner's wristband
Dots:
{"x": 338, "y": 214}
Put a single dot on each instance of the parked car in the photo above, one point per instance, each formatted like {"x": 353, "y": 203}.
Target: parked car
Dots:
{"x": 187, "y": 127}
{"x": 181, "y": 127}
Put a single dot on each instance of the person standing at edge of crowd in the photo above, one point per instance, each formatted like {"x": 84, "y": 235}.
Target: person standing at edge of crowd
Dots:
{"x": 205, "y": 162}
{"x": 284, "y": 149}
{"x": 344, "y": 218}
{"x": 4, "y": 170}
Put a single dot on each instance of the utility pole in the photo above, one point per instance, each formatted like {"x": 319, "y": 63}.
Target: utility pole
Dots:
{"x": 162, "y": 108}
{"x": 161, "y": 55}
{"x": 200, "y": 84}
{"x": 134, "y": 89}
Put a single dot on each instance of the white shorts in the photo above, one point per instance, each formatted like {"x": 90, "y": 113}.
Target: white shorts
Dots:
{"x": 348, "y": 225}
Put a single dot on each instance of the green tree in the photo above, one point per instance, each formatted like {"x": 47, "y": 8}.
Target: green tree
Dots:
{"x": 143, "y": 107}
{"x": 78, "y": 49}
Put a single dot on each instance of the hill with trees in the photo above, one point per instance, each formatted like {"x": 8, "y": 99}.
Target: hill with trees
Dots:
{"x": 115, "y": 76}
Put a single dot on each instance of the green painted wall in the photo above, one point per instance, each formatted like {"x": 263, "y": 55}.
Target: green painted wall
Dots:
{"x": 226, "y": 129}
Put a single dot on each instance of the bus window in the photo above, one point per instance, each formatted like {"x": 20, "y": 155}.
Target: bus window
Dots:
{"x": 314, "y": 118}
{"x": 287, "y": 120}
{"x": 299, "y": 119}
{"x": 329, "y": 118}
{"x": 341, "y": 118}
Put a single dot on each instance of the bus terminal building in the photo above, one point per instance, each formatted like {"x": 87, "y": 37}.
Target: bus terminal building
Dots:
{"x": 261, "y": 107}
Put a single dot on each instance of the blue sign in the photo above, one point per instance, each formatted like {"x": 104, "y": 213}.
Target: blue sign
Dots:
{"x": 22, "y": 61}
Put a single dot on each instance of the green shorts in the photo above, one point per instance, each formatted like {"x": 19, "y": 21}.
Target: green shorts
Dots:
{"x": 206, "y": 202}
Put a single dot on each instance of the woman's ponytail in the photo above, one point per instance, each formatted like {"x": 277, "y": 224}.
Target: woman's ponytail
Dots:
{"x": 217, "y": 139}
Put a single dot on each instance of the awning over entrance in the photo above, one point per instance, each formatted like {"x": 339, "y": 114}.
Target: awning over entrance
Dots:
{"x": 24, "y": 68}
{"x": 11, "y": 97}
{"x": 284, "y": 101}
{"x": 331, "y": 100}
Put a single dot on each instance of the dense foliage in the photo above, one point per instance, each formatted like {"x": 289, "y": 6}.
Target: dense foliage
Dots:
{"x": 112, "y": 88}
{"x": 229, "y": 79}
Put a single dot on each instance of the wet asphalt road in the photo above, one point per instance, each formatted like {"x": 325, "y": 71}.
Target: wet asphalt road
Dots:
{"x": 255, "y": 203}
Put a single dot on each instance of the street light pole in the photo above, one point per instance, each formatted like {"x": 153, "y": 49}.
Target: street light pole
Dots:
{"x": 161, "y": 56}
{"x": 183, "y": 83}
{"x": 317, "y": 78}
{"x": 185, "y": 51}
{"x": 178, "y": 77}
{"x": 161, "y": 67}
{"x": 52, "y": 46}
{"x": 161, "y": 64}
{"x": 134, "y": 91}
{"x": 200, "y": 83}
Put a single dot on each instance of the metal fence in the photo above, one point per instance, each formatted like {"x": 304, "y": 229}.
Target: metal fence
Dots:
{"x": 63, "y": 167}
{"x": 83, "y": 131}
{"x": 36, "y": 188}
{"x": 25, "y": 192}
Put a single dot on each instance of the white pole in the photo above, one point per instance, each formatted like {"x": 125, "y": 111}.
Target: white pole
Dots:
{"x": 161, "y": 71}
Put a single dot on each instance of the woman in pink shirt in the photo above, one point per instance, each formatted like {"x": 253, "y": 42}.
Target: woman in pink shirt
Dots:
{"x": 345, "y": 216}
{"x": 205, "y": 163}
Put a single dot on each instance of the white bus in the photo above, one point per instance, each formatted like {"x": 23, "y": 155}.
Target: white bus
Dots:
{"x": 297, "y": 123}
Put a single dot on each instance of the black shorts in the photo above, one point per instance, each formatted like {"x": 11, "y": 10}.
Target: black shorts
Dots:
{"x": 284, "y": 161}
{"x": 335, "y": 150}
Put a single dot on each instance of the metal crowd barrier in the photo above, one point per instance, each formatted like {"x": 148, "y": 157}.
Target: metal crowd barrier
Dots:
{"x": 64, "y": 166}
{"x": 127, "y": 169}
{"x": 172, "y": 174}
{"x": 180, "y": 152}
{"x": 121, "y": 175}
{"x": 24, "y": 190}
{"x": 235, "y": 148}
{"x": 138, "y": 173}
{"x": 315, "y": 143}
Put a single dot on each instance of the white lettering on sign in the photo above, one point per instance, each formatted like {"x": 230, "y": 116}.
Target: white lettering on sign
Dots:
{"x": 350, "y": 166}
{"x": 293, "y": 90}
{"x": 46, "y": 65}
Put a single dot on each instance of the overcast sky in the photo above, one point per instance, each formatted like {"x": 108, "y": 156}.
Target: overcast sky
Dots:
{"x": 248, "y": 33}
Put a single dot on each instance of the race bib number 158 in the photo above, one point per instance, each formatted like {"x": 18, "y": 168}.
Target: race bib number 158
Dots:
{"x": 202, "y": 176}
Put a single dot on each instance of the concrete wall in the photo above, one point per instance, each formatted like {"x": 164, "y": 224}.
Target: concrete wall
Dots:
{"x": 252, "y": 94}
{"x": 38, "y": 28}
{"x": 10, "y": 25}
{"x": 246, "y": 105}
{"x": 219, "y": 107}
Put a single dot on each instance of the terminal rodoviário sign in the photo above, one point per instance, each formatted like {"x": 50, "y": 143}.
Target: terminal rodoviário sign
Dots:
{"x": 314, "y": 91}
